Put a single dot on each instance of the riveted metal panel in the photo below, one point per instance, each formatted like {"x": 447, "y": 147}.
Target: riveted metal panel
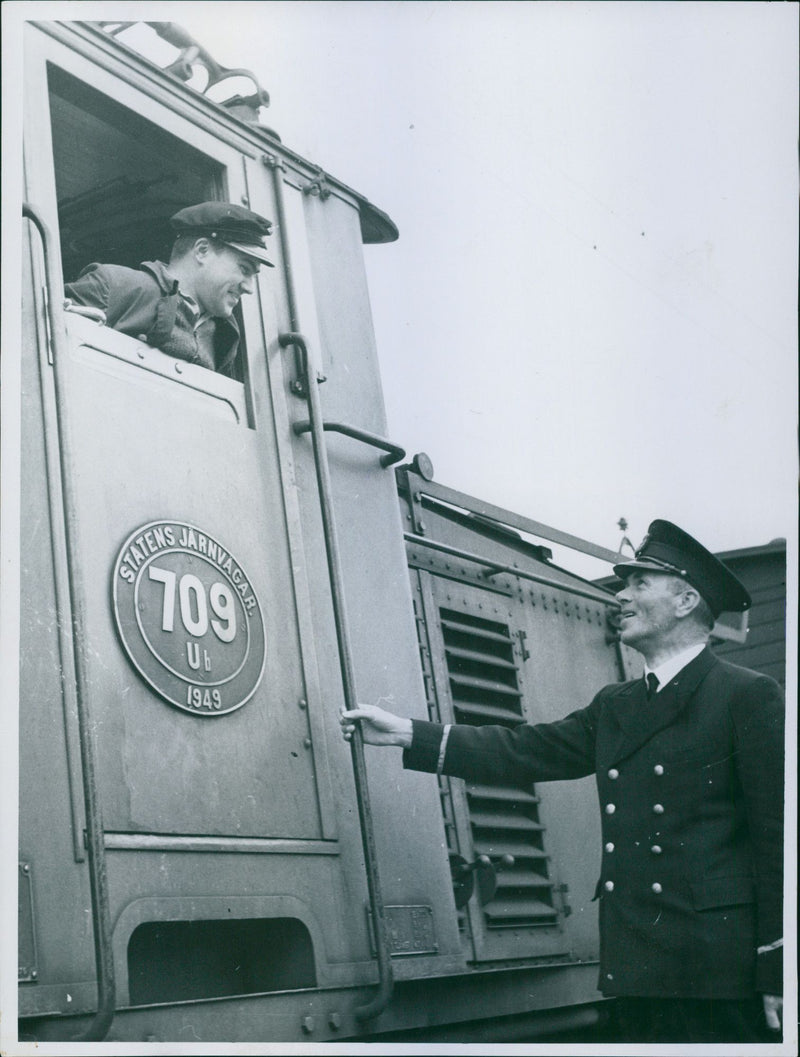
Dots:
{"x": 534, "y": 652}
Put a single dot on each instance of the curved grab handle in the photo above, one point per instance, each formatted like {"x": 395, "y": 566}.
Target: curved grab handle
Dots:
{"x": 394, "y": 452}
{"x": 95, "y": 837}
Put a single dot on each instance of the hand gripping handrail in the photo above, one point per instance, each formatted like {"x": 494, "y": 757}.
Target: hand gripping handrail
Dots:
{"x": 316, "y": 427}
{"x": 95, "y": 840}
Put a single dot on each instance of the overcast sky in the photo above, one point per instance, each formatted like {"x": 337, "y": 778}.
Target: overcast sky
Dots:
{"x": 591, "y": 310}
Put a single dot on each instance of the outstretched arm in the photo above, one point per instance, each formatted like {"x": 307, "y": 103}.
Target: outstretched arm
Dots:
{"x": 378, "y": 727}
{"x": 491, "y": 754}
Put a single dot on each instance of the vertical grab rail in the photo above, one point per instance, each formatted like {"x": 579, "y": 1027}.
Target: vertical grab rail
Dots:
{"x": 378, "y": 1003}
{"x": 95, "y": 839}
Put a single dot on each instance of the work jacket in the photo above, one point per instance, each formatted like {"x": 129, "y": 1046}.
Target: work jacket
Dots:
{"x": 144, "y": 303}
{"x": 691, "y": 795}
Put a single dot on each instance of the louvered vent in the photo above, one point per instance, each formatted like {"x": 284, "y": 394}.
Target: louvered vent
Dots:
{"x": 484, "y": 687}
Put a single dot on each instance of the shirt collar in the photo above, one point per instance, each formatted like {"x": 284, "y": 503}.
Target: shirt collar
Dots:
{"x": 198, "y": 317}
{"x": 190, "y": 301}
{"x": 669, "y": 669}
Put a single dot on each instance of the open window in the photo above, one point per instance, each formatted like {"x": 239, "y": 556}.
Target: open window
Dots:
{"x": 119, "y": 178}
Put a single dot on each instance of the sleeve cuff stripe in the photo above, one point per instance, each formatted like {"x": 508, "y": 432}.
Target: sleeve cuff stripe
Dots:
{"x": 770, "y": 947}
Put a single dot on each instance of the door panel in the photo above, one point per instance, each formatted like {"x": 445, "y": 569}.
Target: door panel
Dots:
{"x": 142, "y": 453}
{"x": 152, "y": 440}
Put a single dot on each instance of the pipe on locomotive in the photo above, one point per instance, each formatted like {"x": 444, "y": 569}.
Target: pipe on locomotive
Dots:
{"x": 95, "y": 840}
{"x": 379, "y": 1002}
{"x": 304, "y": 385}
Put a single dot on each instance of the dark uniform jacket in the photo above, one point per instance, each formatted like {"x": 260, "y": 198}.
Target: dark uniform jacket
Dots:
{"x": 691, "y": 795}
{"x": 145, "y": 303}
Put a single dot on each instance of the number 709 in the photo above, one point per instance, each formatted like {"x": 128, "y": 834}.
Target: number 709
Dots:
{"x": 194, "y": 605}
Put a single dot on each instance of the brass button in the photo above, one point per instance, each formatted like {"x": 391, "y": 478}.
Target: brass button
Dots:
{"x": 656, "y": 849}
{"x": 609, "y": 886}
{"x": 613, "y": 773}
{"x": 656, "y": 888}
{"x": 658, "y": 769}
{"x": 658, "y": 809}
{"x": 609, "y": 847}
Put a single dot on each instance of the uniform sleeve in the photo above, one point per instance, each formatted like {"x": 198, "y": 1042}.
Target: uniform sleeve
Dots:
{"x": 758, "y": 716}
{"x": 512, "y": 756}
{"x": 90, "y": 288}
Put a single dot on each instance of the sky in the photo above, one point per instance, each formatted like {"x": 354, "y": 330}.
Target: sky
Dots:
{"x": 591, "y": 310}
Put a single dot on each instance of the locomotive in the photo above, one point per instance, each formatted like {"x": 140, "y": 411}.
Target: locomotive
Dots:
{"x": 211, "y": 568}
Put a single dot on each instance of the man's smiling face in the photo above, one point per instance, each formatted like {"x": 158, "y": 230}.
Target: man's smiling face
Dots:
{"x": 648, "y": 607}
{"x": 224, "y": 277}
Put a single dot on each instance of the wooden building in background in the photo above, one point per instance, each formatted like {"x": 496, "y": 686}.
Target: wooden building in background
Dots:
{"x": 763, "y": 572}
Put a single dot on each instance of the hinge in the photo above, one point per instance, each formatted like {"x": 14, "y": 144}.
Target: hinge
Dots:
{"x": 27, "y": 971}
{"x": 318, "y": 187}
{"x": 563, "y": 889}
{"x": 47, "y": 330}
{"x": 523, "y": 636}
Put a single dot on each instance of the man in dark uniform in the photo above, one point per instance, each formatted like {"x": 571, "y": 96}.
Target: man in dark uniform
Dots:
{"x": 689, "y": 767}
{"x": 185, "y": 308}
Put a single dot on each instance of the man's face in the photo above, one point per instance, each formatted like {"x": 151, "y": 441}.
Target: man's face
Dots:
{"x": 648, "y": 608}
{"x": 223, "y": 276}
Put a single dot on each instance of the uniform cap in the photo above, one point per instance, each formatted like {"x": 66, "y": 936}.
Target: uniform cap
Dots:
{"x": 668, "y": 549}
{"x": 234, "y": 225}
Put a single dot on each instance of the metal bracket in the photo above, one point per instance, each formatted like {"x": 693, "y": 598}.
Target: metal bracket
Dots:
{"x": 523, "y": 639}
{"x": 406, "y": 485}
{"x": 319, "y": 186}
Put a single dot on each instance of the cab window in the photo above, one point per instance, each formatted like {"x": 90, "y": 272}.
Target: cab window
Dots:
{"x": 119, "y": 178}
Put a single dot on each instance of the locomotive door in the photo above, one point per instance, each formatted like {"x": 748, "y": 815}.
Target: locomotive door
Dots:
{"x": 181, "y": 560}
{"x": 528, "y": 655}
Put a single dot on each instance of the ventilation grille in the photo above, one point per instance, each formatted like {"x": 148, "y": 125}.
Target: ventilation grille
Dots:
{"x": 484, "y": 687}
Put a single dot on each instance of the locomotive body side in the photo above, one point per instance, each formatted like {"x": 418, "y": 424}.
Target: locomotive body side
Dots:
{"x": 182, "y": 772}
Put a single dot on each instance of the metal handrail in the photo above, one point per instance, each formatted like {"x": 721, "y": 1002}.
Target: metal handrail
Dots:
{"x": 492, "y": 568}
{"x": 394, "y": 452}
{"x": 95, "y": 844}
{"x": 316, "y": 427}
{"x": 443, "y": 494}
{"x": 277, "y": 168}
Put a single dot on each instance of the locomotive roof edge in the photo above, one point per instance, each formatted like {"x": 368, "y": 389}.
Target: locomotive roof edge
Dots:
{"x": 87, "y": 38}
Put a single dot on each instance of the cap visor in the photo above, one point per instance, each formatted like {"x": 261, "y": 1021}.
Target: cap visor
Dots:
{"x": 626, "y": 568}
{"x": 258, "y": 252}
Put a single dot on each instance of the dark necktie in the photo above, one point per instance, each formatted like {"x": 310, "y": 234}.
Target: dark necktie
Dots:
{"x": 652, "y": 685}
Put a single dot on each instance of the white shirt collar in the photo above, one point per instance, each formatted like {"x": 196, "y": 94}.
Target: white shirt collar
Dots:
{"x": 199, "y": 317}
{"x": 669, "y": 669}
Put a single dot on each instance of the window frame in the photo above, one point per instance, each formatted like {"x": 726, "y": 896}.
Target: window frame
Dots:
{"x": 163, "y": 109}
